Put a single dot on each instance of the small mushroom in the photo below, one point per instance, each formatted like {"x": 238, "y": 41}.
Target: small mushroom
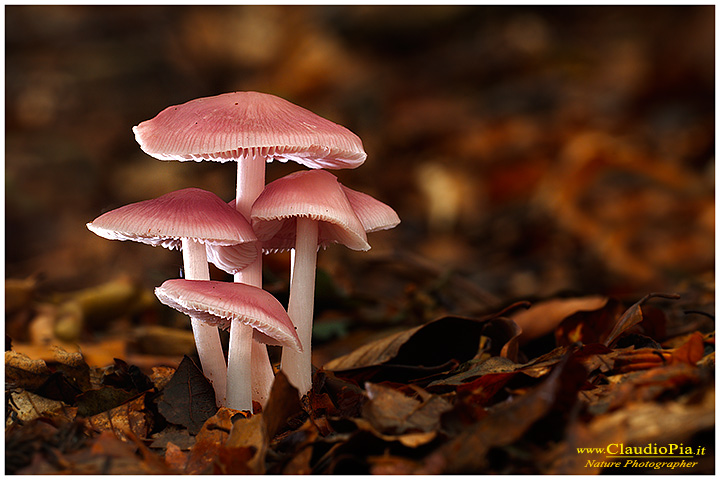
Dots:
{"x": 305, "y": 210}
{"x": 187, "y": 219}
{"x": 252, "y": 129}
{"x": 223, "y": 304}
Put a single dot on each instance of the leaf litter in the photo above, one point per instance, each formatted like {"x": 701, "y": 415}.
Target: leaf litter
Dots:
{"x": 455, "y": 395}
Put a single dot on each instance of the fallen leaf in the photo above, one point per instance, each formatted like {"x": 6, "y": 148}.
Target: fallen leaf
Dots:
{"x": 245, "y": 449}
{"x": 73, "y": 365}
{"x": 504, "y": 424}
{"x": 175, "y": 458}
{"x": 283, "y": 402}
{"x": 22, "y": 442}
{"x": 177, "y": 436}
{"x": 107, "y": 455}
{"x": 392, "y": 465}
{"x": 543, "y": 317}
{"x": 93, "y": 402}
{"x": 410, "y": 440}
{"x": 128, "y": 417}
{"x": 691, "y": 352}
{"x": 422, "y": 351}
{"x": 392, "y": 412}
{"x": 161, "y": 376}
{"x": 208, "y": 442}
{"x": 243, "y": 460}
{"x": 644, "y": 386}
{"x": 23, "y": 372}
{"x": 127, "y": 377}
{"x": 472, "y": 370}
{"x": 588, "y": 326}
{"x": 58, "y": 387}
{"x": 632, "y": 317}
{"x": 28, "y": 406}
{"x": 188, "y": 399}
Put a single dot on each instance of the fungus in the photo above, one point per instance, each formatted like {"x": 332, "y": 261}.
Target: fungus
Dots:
{"x": 222, "y": 303}
{"x": 305, "y": 210}
{"x": 187, "y": 219}
{"x": 252, "y": 129}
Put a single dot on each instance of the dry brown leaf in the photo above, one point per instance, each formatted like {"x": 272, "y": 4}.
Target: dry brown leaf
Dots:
{"x": 504, "y": 424}
{"x": 245, "y": 449}
{"x": 392, "y": 412}
{"x": 130, "y": 416}
{"x": 29, "y": 406}
{"x": 429, "y": 349}
{"x": 410, "y": 440}
{"x": 282, "y": 403}
{"x": 691, "y": 352}
{"x": 543, "y": 317}
{"x": 392, "y": 465}
{"x": 24, "y": 372}
{"x": 175, "y": 458}
{"x": 73, "y": 365}
{"x": 208, "y": 442}
{"x": 161, "y": 376}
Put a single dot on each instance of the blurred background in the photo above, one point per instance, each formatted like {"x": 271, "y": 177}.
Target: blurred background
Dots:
{"x": 530, "y": 152}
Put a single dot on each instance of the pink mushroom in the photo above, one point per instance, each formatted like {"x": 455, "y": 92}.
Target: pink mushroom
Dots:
{"x": 222, "y": 303}
{"x": 305, "y": 210}
{"x": 187, "y": 219}
{"x": 252, "y": 129}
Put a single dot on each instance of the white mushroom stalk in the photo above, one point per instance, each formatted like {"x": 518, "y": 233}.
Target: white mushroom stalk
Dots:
{"x": 207, "y": 337}
{"x": 249, "y": 373}
{"x": 187, "y": 219}
{"x": 301, "y": 304}
{"x": 303, "y": 211}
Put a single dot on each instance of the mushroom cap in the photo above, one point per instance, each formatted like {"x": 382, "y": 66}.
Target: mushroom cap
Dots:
{"x": 188, "y": 213}
{"x": 372, "y": 213}
{"x": 235, "y": 125}
{"x": 220, "y": 303}
{"x": 314, "y": 194}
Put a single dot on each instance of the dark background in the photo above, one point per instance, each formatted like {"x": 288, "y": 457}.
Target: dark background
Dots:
{"x": 529, "y": 151}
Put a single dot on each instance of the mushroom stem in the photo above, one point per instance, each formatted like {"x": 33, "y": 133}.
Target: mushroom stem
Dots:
{"x": 239, "y": 373}
{"x": 262, "y": 373}
{"x": 298, "y": 366}
{"x": 249, "y": 371}
{"x": 250, "y": 182}
{"x": 207, "y": 338}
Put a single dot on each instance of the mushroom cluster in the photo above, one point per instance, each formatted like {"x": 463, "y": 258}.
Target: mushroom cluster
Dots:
{"x": 300, "y": 212}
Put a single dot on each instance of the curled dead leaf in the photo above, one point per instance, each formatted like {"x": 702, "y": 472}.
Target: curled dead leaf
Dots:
{"x": 429, "y": 349}
{"x": 543, "y": 317}
{"x": 24, "y": 372}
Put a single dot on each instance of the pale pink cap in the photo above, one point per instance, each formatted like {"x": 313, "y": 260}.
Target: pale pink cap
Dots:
{"x": 372, "y": 213}
{"x": 236, "y": 125}
{"x": 314, "y": 194}
{"x": 189, "y": 213}
{"x": 221, "y": 303}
